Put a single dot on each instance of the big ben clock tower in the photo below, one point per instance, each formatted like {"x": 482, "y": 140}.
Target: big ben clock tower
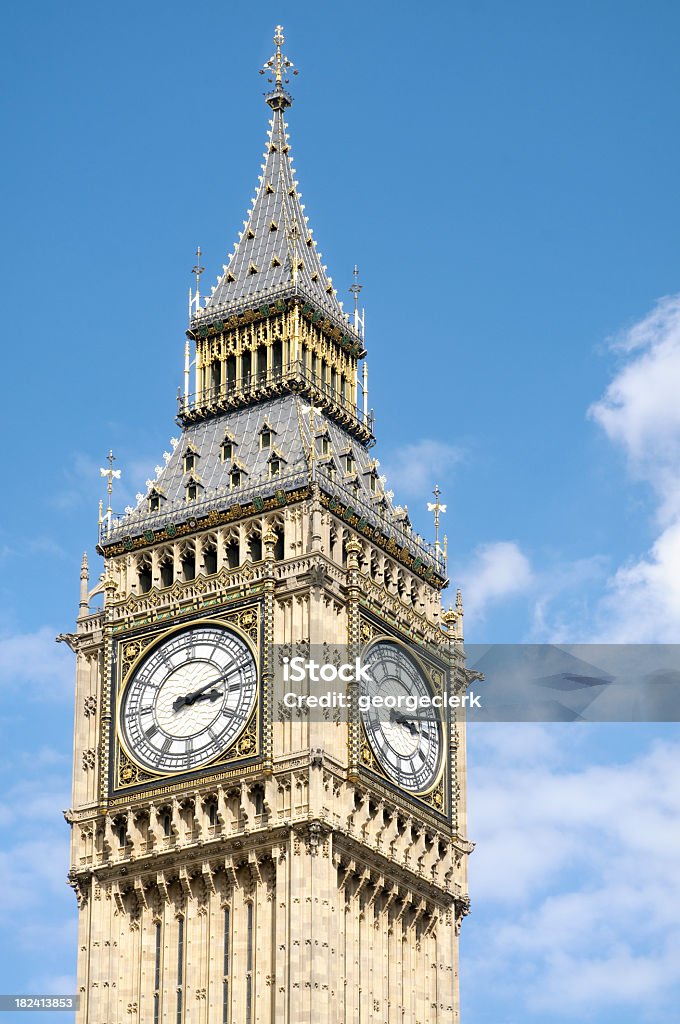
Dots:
{"x": 232, "y": 864}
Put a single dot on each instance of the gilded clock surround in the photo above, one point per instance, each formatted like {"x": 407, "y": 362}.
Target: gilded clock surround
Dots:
{"x": 130, "y": 653}
{"x": 437, "y": 797}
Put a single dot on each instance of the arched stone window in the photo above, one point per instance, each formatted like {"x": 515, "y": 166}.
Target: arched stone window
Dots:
{"x": 144, "y": 579}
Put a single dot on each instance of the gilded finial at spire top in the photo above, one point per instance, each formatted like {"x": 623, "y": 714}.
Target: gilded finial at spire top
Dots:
{"x": 277, "y": 67}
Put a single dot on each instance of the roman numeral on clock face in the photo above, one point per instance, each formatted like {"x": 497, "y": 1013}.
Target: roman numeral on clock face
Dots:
{"x": 189, "y": 699}
{"x": 404, "y": 731}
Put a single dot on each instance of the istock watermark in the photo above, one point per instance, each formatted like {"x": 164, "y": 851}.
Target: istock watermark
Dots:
{"x": 330, "y": 682}
{"x": 408, "y": 685}
{"x": 298, "y": 669}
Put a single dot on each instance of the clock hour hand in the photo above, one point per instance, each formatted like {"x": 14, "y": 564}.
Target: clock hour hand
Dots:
{"x": 209, "y": 695}
{"x": 191, "y": 698}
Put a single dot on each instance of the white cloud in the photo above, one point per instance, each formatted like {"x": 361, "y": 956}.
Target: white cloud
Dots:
{"x": 640, "y": 411}
{"x": 575, "y": 877}
{"x": 416, "y": 468}
{"x": 643, "y": 599}
{"x": 496, "y": 571}
{"x": 34, "y": 859}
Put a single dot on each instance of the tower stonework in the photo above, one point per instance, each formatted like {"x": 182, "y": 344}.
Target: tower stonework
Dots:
{"x": 233, "y": 865}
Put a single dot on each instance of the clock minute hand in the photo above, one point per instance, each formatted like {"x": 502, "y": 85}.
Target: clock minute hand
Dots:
{"x": 414, "y": 716}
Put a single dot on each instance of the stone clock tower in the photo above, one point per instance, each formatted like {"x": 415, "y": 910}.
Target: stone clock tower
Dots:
{"x": 233, "y": 865}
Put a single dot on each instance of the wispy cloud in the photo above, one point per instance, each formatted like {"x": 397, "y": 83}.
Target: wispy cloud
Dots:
{"x": 414, "y": 469}
{"x": 497, "y": 571}
{"x": 80, "y": 483}
{"x": 36, "y": 664}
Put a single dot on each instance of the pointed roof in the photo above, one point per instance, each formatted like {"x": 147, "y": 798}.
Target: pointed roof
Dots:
{"x": 275, "y": 254}
{"x": 296, "y": 426}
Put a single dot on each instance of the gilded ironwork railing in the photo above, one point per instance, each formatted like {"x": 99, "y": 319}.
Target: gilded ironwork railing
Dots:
{"x": 118, "y": 525}
{"x": 295, "y": 377}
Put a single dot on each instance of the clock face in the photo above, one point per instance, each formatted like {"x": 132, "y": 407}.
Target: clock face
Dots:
{"x": 407, "y": 742}
{"x": 189, "y": 699}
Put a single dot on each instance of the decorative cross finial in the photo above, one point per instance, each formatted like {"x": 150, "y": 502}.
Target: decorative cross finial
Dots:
{"x": 279, "y": 40}
{"x": 277, "y": 68}
{"x": 111, "y": 474}
{"x": 355, "y": 289}
{"x": 197, "y": 269}
{"x": 195, "y": 297}
{"x": 436, "y": 507}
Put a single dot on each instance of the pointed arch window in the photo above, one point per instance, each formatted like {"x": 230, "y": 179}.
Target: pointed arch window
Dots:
{"x": 144, "y": 574}
{"x": 191, "y": 456}
{"x": 276, "y": 462}
{"x": 193, "y": 488}
{"x": 166, "y": 565}
{"x": 154, "y": 499}
{"x": 266, "y": 436}
{"x": 210, "y": 558}
{"x": 228, "y": 448}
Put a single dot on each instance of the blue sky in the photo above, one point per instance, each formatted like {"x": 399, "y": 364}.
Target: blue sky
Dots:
{"x": 505, "y": 176}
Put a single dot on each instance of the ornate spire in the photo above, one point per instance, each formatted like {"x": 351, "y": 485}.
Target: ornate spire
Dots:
{"x": 275, "y": 256}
